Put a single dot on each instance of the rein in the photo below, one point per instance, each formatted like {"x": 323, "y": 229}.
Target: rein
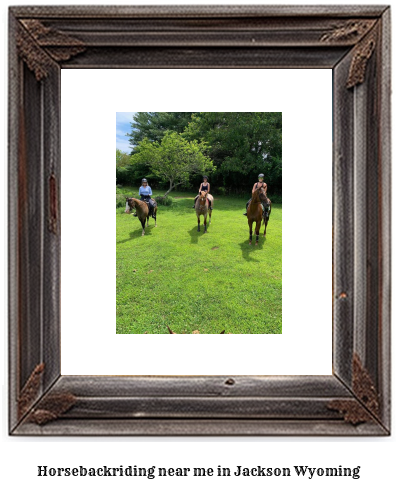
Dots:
{"x": 255, "y": 197}
{"x": 136, "y": 204}
{"x": 256, "y": 194}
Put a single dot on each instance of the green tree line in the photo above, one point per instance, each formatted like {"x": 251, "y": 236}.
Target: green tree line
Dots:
{"x": 176, "y": 149}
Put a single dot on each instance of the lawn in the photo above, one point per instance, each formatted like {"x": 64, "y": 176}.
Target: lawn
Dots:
{"x": 175, "y": 276}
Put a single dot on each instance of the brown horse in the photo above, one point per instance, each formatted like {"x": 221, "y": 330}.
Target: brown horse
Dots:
{"x": 202, "y": 208}
{"x": 142, "y": 211}
{"x": 255, "y": 213}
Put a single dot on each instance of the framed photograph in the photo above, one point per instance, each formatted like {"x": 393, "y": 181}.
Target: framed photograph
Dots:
{"x": 201, "y": 167}
{"x": 51, "y": 51}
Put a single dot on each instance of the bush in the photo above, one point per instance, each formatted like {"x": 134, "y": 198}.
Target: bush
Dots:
{"x": 123, "y": 175}
{"x": 275, "y": 198}
{"x": 120, "y": 200}
{"x": 164, "y": 200}
{"x": 221, "y": 191}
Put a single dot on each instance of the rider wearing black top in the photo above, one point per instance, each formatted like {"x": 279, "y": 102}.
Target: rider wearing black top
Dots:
{"x": 257, "y": 185}
{"x": 205, "y": 186}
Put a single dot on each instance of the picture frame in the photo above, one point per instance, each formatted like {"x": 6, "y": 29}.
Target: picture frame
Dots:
{"x": 352, "y": 41}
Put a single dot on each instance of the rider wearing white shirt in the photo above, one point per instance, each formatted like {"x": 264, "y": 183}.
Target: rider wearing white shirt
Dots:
{"x": 145, "y": 192}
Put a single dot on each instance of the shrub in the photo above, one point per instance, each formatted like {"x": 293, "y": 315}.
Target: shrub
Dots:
{"x": 123, "y": 175}
{"x": 164, "y": 200}
{"x": 221, "y": 191}
{"x": 275, "y": 198}
{"x": 120, "y": 200}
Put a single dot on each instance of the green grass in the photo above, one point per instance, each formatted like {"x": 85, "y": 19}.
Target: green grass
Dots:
{"x": 175, "y": 276}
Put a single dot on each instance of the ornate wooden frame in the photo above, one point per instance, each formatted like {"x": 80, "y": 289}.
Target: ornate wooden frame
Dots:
{"x": 353, "y": 41}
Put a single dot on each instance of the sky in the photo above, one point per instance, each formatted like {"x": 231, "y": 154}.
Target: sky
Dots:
{"x": 123, "y": 121}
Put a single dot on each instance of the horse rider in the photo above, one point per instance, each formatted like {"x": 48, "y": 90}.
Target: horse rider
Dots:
{"x": 145, "y": 193}
{"x": 205, "y": 186}
{"x": 256, "y": 186}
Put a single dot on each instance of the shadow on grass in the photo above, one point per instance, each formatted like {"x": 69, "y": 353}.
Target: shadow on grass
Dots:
{"x": 135, "y": 234}
{"x": 194, "y": 234}
{"x": 248, "y": 249}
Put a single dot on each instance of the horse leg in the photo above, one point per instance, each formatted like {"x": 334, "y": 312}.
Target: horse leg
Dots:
{"x": 205, "y": 223}
{"x": 143, "y": 226}
{"x": 266, "y": 221}
{"x": 257, "y": 228}
{"x": 250, "y": 232}
{"x": 148, "y": 220}
{"x": 199, "y": 226}
{"x": 155, "y": 215}
{"x": 210, "y": 216}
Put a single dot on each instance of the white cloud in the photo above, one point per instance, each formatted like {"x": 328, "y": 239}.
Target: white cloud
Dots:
{"x": 120, "y": 132}
{"x": 123, "y": 145}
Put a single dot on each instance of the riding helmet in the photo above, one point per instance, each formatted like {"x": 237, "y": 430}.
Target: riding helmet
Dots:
{"x": 204, "y": 177}
{"x": 144, "y": 180}
{"x": 261, "y": 175}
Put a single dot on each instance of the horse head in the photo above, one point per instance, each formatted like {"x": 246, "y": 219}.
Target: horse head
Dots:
{"x": 259, "y": 194}
{"x": 262, "y": 193}
{"x": 129, "y": 205}
{"x": 202, "y": 197}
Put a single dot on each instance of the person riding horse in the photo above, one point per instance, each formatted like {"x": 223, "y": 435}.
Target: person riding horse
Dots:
{"x": 205, "y": 186}
{"x": 145, "y": 193}
{"x": 256, "y": 186}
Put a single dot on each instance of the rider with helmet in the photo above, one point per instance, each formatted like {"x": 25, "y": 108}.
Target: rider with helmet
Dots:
{"x": 205, "y": 186}
{"x": 258, "y": 185}
{"x": 145, "y": 194}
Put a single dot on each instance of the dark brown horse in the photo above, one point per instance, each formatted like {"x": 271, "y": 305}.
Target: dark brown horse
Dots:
{"x": 255, "y": 212}
{"x": 202, "y": 208}
{"x": 142, "y": 211}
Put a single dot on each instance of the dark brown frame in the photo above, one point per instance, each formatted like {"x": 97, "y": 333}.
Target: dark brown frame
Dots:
{"x": 353, "y": 41}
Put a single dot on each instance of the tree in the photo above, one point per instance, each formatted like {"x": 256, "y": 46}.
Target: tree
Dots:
{"x": 173, "y": 160}
{"x": 154, "y": 126}
{"x": 241, "y": 145}
{"x": 122, "y": 158}
{"x": 122, "y": 167}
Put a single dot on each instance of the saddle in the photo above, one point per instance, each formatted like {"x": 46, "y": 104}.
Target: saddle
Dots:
{"x": 149, "y": 201}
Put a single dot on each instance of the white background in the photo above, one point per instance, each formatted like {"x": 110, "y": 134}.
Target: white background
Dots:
{"x": 89, "y": 101}
{"x": 377, "y": 456}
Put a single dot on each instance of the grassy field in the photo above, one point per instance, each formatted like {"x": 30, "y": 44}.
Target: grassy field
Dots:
{"x": 175, "y": 276}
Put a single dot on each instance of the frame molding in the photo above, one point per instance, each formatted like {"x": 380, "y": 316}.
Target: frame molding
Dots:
{"x": 352, "y": 41}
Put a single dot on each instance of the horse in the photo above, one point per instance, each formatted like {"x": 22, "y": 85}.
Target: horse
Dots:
{"x": 255, "y": 213}
{"x": 202, "y": 208}
{"x": 142, "y": 211}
